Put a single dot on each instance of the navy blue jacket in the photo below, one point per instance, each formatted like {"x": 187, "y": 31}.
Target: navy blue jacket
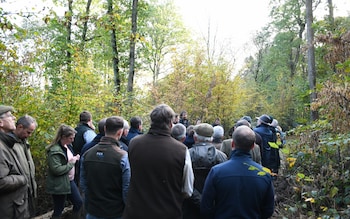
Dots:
{"x": 133, "y": 133}
{"x": 238, "y": 188}
{"x": 269, "y": 156}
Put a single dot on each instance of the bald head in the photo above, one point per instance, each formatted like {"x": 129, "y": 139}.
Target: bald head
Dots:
{"x": 243, "y": 138}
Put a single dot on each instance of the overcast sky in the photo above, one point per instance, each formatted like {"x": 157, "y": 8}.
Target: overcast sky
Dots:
{"x": 232, "y": 22}
{"x": 236, "y": 21}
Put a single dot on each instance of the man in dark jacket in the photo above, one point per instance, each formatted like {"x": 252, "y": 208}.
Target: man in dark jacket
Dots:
{"x": 105, "y": 174}
{"x": 135, "y": 128}
{"x": 239, "y": 187}
{"x": 161, "y": 171}
{"x": 85, "y": 134}
{"x": 269, "y": 155}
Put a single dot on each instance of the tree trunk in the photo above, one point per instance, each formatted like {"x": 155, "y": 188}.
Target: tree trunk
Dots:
{"x": 132, "y": 46}
{"x": 68, "y": 16}
{"x": 114, "y": 50}
{"x": 85, "y": 26}
{"x": 311, "y": 58}
{"x": 331, "y": 15}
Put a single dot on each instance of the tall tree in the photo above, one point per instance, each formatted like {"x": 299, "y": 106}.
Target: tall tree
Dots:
{"x": 69, "y": 15}
{"x": 331, "y": 13}
{"x": 85, "y": 24}
{"x": 115, "y": 55}
{"x": 132, "y": 46}
{"x": 163, "y": 33}
{"x": 311, "y": 58}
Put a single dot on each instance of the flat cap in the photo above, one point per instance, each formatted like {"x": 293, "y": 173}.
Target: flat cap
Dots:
{"x": 204, "y": 129}
{"x": 5, "y": 109}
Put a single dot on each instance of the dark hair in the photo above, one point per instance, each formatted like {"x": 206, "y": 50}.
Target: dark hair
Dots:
{"x": 114, "y": 124}
{"x": 135, "y": 122}
{"x": 26, "y": 121}
{"x": 182, "y": 113}
{"x": 85, "y": 117}
{"x": 162, "y": 116}
{"x": 101, "y": 126}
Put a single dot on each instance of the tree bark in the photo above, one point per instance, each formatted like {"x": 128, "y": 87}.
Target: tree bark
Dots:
{"x": 132, "y": 46}
{"x": 85, "y": 27}
{"x": 68, "y": 16}
{"x": 311, "y": 58}
{"x": 331, "y": 14}
{"x": 115, "y": 58}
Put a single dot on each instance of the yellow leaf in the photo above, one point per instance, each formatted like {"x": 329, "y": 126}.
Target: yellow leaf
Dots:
{"x": 324, "y": 208}
{"x": 311, "y": 200}
{"x": 261, "y": 173}
{"x": 334, "y": 191}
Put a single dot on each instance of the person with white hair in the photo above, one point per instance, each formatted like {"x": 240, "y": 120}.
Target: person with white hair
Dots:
{"x": 178, "y": 131}
{"x": 218, "y": 136}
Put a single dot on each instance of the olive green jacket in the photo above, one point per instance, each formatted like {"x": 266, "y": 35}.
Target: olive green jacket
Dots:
{"x": 13, "y": 182}
{"x": 57, "y": 181}
{"x": 25, "y": 158}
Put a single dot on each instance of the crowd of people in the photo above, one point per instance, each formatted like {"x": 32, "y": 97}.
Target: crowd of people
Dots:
{"x": 174, "y": 170}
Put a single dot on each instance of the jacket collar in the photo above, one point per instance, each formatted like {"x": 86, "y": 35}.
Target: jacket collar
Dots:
{"x": 109, "y": 140}
{"x": 240, "y": 153}
{"x": 159, "y": 131}
{"x": 8, "y": 139}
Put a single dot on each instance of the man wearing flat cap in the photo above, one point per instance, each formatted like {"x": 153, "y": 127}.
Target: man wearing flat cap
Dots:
{"x": 204, "y": 156}
{"x": 13, "y": 181}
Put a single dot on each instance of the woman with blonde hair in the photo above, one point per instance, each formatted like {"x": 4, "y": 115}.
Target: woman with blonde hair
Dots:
{"x": 60, "y": 179}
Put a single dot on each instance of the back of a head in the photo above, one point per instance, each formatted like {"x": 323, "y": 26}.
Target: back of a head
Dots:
{"x": 178, "y": 131}
{"x": 101, "y": 126}
{"x": 162, "y": 116}
{"x": 203, "y": 132}
{"x": 243, "y": 137}
{"x": 26, "y": 121}
{"x": 135, "y": 122}
{"x": 113, "y": 125}
{"x": 247, "y": 118}
{"x": 85, "y": 116}
{"x": 218, "y": 131}
{"x": 242, "y": 122}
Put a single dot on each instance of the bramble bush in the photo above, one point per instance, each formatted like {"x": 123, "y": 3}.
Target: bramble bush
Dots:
{"x": 316, "y": 173}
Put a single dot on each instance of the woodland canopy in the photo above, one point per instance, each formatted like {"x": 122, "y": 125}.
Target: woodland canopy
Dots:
{"x": 120, "y": 57}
